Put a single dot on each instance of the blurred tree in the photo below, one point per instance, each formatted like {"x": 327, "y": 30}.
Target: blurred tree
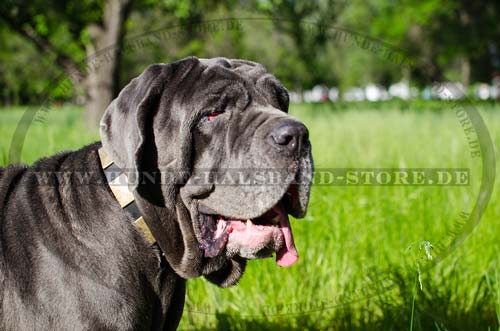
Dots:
{"x": 404, "y": 24}
{"x": 70, "y": 31}
{"x": 169, "y": 30}
{"x": 444, "y": 35}
{"x": 468, "y": 34}
{"x": 306, "y": 23}
{"x": 295, "y": 40}
{"x": 21, "y": 83}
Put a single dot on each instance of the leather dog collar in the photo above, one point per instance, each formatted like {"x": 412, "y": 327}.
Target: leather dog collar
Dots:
{"x": 117, "y": 181}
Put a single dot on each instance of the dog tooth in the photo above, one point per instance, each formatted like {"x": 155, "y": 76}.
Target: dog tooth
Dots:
{"x": 249, "y": 223}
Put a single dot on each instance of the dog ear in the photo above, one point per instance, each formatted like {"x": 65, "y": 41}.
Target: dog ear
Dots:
{"x": 125, "y": 123}
{"x": 142, "y": 121}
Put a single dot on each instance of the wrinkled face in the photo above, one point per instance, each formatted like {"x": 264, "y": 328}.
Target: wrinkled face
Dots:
{"x": 233, "y": 164}
{"x": 251, "y": 164}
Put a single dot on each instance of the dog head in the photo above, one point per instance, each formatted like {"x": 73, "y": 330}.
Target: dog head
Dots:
{"x": 215, "y": 162}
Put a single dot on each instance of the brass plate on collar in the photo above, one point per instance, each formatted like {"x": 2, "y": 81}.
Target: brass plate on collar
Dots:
{"x": 141, "y": 225}
{"x": 105, "y": 159}
{"x": 119, "y": 187}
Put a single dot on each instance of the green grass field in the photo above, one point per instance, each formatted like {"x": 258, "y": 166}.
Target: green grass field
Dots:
{"x": 360, "y": 246}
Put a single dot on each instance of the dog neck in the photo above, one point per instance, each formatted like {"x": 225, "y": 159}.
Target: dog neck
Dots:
{"x": 118, "y": 183}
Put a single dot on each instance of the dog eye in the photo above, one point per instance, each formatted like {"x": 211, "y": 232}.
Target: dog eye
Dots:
{"x": 212, "y": 116}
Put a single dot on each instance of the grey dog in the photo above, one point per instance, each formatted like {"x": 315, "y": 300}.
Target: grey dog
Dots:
{"x": 76, "y": 254}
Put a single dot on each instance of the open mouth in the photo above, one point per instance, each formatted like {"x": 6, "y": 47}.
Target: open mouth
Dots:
{"x": 259, "y": 237}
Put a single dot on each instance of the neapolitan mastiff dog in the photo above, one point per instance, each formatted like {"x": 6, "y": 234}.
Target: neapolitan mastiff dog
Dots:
{"x": 104, "y": 238}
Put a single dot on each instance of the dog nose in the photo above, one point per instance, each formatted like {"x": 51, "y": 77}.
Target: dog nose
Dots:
{"x": 290, "y": 136}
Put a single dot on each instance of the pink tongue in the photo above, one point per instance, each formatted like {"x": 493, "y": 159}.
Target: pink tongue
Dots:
{"x": 287, "y": 255}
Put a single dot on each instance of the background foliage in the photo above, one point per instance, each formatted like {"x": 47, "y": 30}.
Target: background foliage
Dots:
{"x": 454, "y": 40}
